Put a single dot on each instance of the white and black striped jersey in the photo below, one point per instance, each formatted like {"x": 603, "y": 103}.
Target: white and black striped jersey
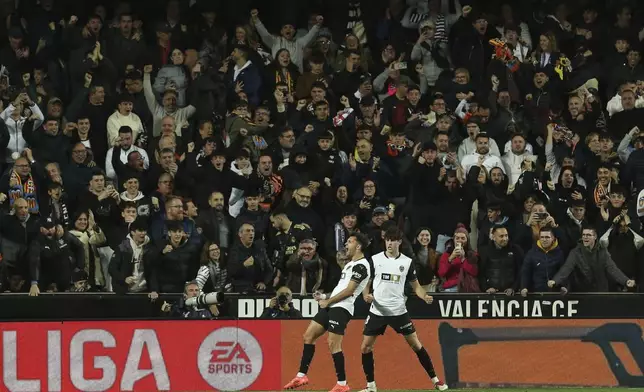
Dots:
{"x": 358, "y": 271}
{"x": 389, "y": 278}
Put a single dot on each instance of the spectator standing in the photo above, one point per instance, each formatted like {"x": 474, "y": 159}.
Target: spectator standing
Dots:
{"x": 131, "y": 265}
{"x": 457, "y": 258}
{"x": 500, "y": 264}
{"x": 248, "y": 264}
{"x": 306, "y": 270}
{"x": 590, "y": 267}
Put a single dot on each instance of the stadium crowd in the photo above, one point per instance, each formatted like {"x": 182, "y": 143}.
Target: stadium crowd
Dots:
{"x": 145, "y": 146}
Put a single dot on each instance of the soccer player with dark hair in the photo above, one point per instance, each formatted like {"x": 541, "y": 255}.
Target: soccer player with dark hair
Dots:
{"x": 391, "y": 270}
{"x": 335, "y": 312}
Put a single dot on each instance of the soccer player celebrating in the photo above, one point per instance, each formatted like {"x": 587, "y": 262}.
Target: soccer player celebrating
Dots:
{"x": 335, "y": 312}
{"x": 391, "y": 270}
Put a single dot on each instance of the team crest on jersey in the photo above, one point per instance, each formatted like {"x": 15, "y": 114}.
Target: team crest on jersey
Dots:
{"x": 401, "y": 268}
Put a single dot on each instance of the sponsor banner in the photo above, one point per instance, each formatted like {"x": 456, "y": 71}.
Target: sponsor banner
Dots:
{"x": 140, "y": 356}
{"x": 77, "y": 306}
{"x": 451, "y": 307}
{"x": 484, "y": 354}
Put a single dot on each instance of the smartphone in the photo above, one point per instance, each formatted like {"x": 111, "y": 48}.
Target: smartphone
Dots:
{"x": 542, "y": 215}
{"x": 401, "y": 65}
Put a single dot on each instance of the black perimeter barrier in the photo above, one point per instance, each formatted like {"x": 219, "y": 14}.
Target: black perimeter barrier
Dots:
{"x": 108, "y": 306}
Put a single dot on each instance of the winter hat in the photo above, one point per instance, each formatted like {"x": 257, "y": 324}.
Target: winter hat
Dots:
{"x": 460, "y": 228}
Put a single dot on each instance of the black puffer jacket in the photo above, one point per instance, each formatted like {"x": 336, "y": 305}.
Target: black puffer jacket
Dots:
{"x": 539, "y": 266}
{"x": 171, "y": 271}
{"x": 500, "y": 268}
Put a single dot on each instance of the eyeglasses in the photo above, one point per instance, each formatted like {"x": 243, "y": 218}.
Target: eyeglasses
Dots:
{"x": 305, "y": 197}
{"x": 21, "y": 166}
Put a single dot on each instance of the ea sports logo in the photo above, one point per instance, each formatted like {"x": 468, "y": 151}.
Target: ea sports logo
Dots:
{"x": 230, "y": 359}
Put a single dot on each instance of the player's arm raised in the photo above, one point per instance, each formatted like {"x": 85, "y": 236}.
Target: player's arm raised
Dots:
{"x": 359, "y": 273}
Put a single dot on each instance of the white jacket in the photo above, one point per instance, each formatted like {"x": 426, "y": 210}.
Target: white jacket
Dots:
{"x": 236, "y": 201}
{"x": 490, "y": 162}
{"x": 109, "y": 169}
{"x": 512, "y": 164}
{"x": 181, "y": 116}
{"x": 16, "y": 142}
{"x": 117, "y": 120}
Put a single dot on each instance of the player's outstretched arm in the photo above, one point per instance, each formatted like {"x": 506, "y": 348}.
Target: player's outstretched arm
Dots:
{"x": 421, "y": 293}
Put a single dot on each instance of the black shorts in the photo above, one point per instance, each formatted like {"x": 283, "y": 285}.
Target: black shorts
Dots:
{"x": 376, "y": 325}
{"x": 334, "y": 320}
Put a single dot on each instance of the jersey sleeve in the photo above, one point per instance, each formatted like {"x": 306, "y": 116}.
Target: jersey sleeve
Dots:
{"x": 359, "y": 273}
{"x": 411, "y": 273}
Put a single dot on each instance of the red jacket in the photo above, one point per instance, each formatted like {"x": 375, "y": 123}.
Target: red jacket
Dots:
{"x": 450, "y": 271}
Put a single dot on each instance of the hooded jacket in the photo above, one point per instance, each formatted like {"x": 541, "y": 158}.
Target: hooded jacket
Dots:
{"x": 124, "y": 264}
{"x": 540, "y": 265}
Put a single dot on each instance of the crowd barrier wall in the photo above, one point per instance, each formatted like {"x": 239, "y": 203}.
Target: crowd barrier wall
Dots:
{"x": 557, "y": 341}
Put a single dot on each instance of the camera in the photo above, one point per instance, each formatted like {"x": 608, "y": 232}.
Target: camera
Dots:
{"x": 203, "y": 300}
{"x": 282, "y": 299}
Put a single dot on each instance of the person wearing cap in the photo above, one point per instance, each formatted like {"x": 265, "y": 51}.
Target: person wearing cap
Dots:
{"x": 379, "y": 215}
{"x": 124, "y": 117}
{"x": 131, "y": 264}
{"x": 286, "y": 39}
{"x": 431, "y": 52}
{"x": 56, "y": 258}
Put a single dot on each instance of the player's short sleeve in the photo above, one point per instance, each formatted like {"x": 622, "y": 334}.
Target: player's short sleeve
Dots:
{"x": 359, "y": 273}
{"x": 411, "y": 273}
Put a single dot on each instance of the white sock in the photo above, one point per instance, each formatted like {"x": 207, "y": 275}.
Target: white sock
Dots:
{"x": 343, "y": 383}
{"x": 371, "y": 384}
{"x": 300, "y": 375}
{"x": 435, "y": 380}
